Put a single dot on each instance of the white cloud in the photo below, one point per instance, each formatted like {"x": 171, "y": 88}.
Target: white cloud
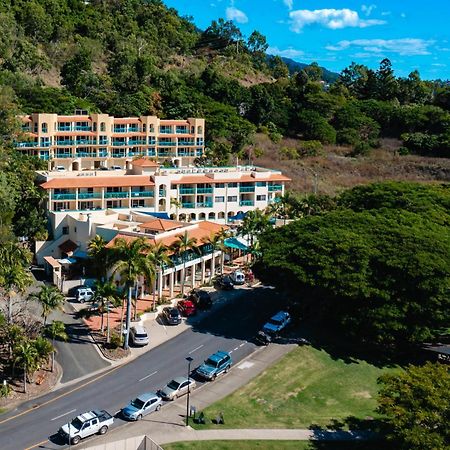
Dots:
{"x": 237, "y": 15}
{"x": 367, "y": 9}
{"x": 329, "y": 18}
{"x": 439, "y": 65}
{"x": 406, "y": 46}
{"x": 402, "y": 15}
{"x": 386, "y": 13}
{"x": 289, "y": 52}
{"x": 289, "y": 4}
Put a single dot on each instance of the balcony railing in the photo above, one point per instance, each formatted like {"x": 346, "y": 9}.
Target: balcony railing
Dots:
{"x": 182, "y": 131}
{"x": 167, "y": 144}
{"x": 86, "y": 154}
{"x": 246, "y": 203}
{"x": 141, "y": 194}
{"x": 64, "y": 196}
{"x": 137, "y": 142}
{"x": 247, "y": 189}
{"x": 65, "y": 143}
{"x": 275, "y": 187}
{"x": 63, "y": 155}
{"x": 165, "y": 154}
{"x": 26, "y": 144}
{"x": 188, "y": 143}
{"x": 86, "y": 142}
{"x": 45, "y": 144}
{"x": 82, "y": 128}
{"x": 133, "y": 129}
{"x": 205, "y": 205}
{"x": 118, "y": 154}
{"x": 118, "y": 143}
{"x": 187, "y": 190}
{"x": 188, "y": 205}
{"x": 64, "y": 128}
{"x": 116, "y": 194}
{"x": 103, "y": 153}
{"x": 89, "y": 195}
{"x": 205, "y": 190}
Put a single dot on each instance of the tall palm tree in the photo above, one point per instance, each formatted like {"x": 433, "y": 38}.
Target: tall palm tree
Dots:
{"x": 105, "y": 295}
{"x": 27, "y": 358}
{"x": 56, "y": 330}
{"x": 130, "y": 262}
{"x": 216, "y": 241}
{"x": 44, "y": 348}
{"x": 180, "y": 247}
{"x": 177, "y": 203}
{"x": 254, "y": 223}
{"x": 14, "y": 275}
{"x": 50, "y": 299}
{"x": 159, "y": 257}
{"x": 99, "y": 253}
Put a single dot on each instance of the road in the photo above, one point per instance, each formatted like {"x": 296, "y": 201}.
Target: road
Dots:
{"x": 231, "y": 329}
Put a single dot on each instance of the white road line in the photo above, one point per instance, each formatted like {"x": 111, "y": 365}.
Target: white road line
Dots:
{"x": 234, "y": 349}
{"x": 230, "y": 352}
{"x": 242, "y": 344}
{"x": 62, "y": 415}
{"x": 148, "y": 376}
{"x": 197, "y": 348}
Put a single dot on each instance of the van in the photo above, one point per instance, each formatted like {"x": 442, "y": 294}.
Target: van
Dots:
{"x": 84, "y": 294}
{"x": 238, "y": 277}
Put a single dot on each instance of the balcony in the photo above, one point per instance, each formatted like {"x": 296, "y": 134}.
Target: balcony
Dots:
{"x": 247, "y": 189}
{"x": 115, "y": 143}
{"x": 142, "y": 194}
{"x": 103, "y": 153}
{"x": 85, "y": 154}
{"x": 89, "y": 195}
{"x": 115, "y": 154}
{"x": 199, "y": 152}
{"x": 205, "y": 205}
{"x": 44, "y": 155}
{"x": 116, "y": 194}
{"x": 82, "y": 128}
{"x": 64, "y": 196}
{"x": 188, "y": 205}
{"x": 119, "y": 130}
{"x": 133, "y": 129}
{"x": 187, "y": 143}
{"x": 137, "y": 142}
{"x": 151, "y": 152}
{"x": 26, "y": 144}
{"x": 103, "y": 142}
{"x": 140, "y": 153}
{"x": 205, "y": 190}
{"x": 63, "y": 155}
{"x": 165, "y": 154}
{"x": 182, "y": 131}
{"x": 86, "y": 142}
{"x": 275, "y": 187}
{"x": 187, "y": 191}
{"x": 246, "y": 203}
{"x": 45, "y": 144}
{"x": 65, "y": 143}
{"x": 167, "y": 144}
{"x": 64, "y": 128}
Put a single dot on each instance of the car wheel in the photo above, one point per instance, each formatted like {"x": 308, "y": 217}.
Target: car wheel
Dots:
{"x": 75, "y": 440}
{"x": 139, "y": 417}
{"x": 158, "y": 408}
{"x": 214, "y": 376}
{"x": 103, "y": 429}
{"x": 227, "y": 369}
{"x": 81, "y": 300}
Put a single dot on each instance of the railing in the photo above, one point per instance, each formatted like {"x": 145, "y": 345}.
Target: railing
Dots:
{"x": 26, "y": 144}
{"x": 45, "y": 144}
{"x": 103, "y": 154}
{"x": 151, "y": 152}
{"x": 118, "y": 143}
{"x": 64, "y": 128}
{"x": 44, "y": 156}
{"x": 82, "y": 128}
{"x": 165, "y": 154}
{"x": 141, "y": 153}
{"x": 275, "y": 187}
{"x": 65, "y": 143}
{"x": 103, "y": 142}
{"x": 86, "y": 141}
{"x": 63, "y": 155}
{"x": 137, "y": 142}
{"x": 117, "y": 154}
{"x": 88, "y": 195}
{"x": 205, "y": 190}
{"x": 205, "y": 205}
{"x": 247, "y": 189}
{"x": 86, "y": 154}
{"x": 188, "y": 205}
{"x": 182, "y": 131}
{"x": 246, "y": 203}
{"x": 162, "y": 193}
{"x": 119, "y": 130}
{"x": 187, "y": 191}
{"x": 142, "y": 194}
{"x": 64, "y": 196}
{"x": 166, "y": 144}
{"x": 166, "y": 131}
{"x": 133, "y": 129}
{"x": 188, "y": 143}
{"x": 116, "y": 194}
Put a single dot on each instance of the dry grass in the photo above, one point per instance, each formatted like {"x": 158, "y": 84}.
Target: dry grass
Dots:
{"x": 337, "y": 171}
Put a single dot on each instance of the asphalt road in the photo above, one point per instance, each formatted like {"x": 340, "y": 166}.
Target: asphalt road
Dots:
{"x": 230, "y": 328}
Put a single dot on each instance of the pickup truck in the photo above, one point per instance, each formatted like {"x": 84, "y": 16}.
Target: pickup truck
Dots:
{"x": 85, "y": 425}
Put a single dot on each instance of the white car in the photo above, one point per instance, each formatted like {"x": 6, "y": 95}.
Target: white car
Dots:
{"x": 84, "y": 294}
{"x": 238, "y": 277}
{"x": 138, "y": 335}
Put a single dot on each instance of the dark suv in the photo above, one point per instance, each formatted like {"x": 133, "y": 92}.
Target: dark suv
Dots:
{"x": 202, "y": 299}
{"x": 223, "y": 282}
{"x": 219, "y": 362}
{"x": 172, "y": 316}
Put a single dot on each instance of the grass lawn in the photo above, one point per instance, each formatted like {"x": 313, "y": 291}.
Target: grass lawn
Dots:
{"x": 272, "y": 445}
{"x": 306, "y": 387}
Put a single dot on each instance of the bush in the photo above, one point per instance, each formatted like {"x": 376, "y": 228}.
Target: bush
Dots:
{"x": 116, "y": 340}
{"x": 5, "y": 390}
{"x": 289, "y": 152}
{"x": 347, "y": 136}
{"x": 310, "y": 148}
{"x": 362, "y": 149}
{"x": 275, "y": 137}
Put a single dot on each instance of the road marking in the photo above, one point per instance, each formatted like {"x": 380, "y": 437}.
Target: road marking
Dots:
{"x": 148, "y": 376}
{"x": 234, "y": 349}
{"x": 195, "y": 349}
{"x": 38, "y": 444}
{"x": 242, "y": 345}
{"x": 62, "y": 415}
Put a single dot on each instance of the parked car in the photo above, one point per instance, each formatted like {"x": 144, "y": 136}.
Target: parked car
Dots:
{"x": 277, "y": 323}
{"x": 176, "y": 388}
{"x": 115, "y": 168}
{"x": 138, "y": 335}
{"x": 218, "y": 363}
{"x": 263, "y": 338}
{"x": 86, "y": 424}
{"x": 172, "y": 316}
{"x": 202, "y": 299}
{"x": 84, "y": 294}
{"x": 238, "y": 277}
{"x": 141, "y": 406}
{"x": 187, "y": 308}
{"x": 223, "y": 282}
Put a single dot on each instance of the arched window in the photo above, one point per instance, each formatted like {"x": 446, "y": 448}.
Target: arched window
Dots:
{"x": 102, "y": 126}
{"x": 199, "y": 130}
{"x": 44, "y": 127}
{"x": 193, "y": 216}
{"x": 221, "y": 215}
{"x": 211, "y": 216}
{"x": 202, "y": 216}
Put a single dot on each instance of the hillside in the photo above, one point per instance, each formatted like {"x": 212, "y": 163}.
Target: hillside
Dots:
{"x": 295, "y": 66}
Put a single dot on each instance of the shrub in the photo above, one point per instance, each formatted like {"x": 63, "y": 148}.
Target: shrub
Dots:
{"x": 347, "y": 136}
{"x": 116, "y": 340}
{"x": 310, "y": 148}
{"x": 289, "y": 152}
{"x": 362, "y": 149}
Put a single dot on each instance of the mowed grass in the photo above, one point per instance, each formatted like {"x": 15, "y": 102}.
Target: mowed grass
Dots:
{"x": 272, "y": 445}
{"x": 306, "y": 387}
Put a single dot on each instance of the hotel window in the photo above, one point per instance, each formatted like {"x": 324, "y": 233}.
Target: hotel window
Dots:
{"x": 151, "y": 128}
{"x": 44, "y": 128}
{"x": 144, "y": 127}
{"x": 232, "y": 198}
{"x": 219, "y": 199}
{"x": 232, "y": 185}
{"x": 102, "y": 126}
{"x": 220, "y": 185}
{"x": 261, "y": 198}
{"x": 199, "y": 130}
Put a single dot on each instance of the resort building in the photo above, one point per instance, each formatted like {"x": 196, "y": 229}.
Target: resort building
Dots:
{"x": 98, "y": 141}
{"x": 184, "y": 194}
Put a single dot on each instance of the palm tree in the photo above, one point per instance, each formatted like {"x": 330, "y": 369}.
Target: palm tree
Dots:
{"x": 14, "y": 276}
{"x": 56, "y": 330}
{"x": 216, "y": 241}
{"x": 130, "y": 262}
{"x": 180, "y": 247}
{"x": 254, "y": 223}
{"x": 26, "y": 357}
{"x": 105, "y": 295}
{"x": 99, "y": 253}
{"x": 50, "y": 299}
{"x": 43, "y": 347}
{"x": 159, "y": 257}
{"x": 177, "y": 203}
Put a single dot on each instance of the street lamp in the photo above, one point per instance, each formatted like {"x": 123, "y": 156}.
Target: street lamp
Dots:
{"x": 189, "y": 360}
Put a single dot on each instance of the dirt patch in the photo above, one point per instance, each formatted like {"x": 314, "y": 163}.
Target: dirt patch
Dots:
{"x": 362, "y": 394}
{"x": 109, "y": 351}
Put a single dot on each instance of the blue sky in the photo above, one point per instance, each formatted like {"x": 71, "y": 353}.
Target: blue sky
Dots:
{"x": 413, "y": 34}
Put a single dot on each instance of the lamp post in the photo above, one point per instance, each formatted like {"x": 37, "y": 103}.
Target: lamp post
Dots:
{"x": 189, "y": 360}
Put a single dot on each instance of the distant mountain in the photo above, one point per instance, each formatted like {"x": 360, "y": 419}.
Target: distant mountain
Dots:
{"x": 294, "y": 66}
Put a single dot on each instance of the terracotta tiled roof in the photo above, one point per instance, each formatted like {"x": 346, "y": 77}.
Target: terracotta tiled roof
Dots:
{"x": 25, "y": 118}
{"x": 126, "y": 120}
{"x": 239, "y": 178}
{"x": 145, "y": 162}
{"x": 52, "y": 261}
{"x": 161, "y": 225}
{"x": 100, "y": 181}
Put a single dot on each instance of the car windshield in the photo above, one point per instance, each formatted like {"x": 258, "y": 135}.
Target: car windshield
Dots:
{"x": 77, "y": 423}
{"x": 275, "y": 321}
{"x": 137, "y": 403}
{"x": 173, "y": 385}
{"x": 210, "y": 362}
{"x": 141, "y": 335}
{"x": 174, "y": 313}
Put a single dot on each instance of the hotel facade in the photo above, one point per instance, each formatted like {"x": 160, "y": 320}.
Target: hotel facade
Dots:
{"x": 98, "y": 141}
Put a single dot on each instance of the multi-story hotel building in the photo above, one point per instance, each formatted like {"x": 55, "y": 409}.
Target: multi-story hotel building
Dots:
{"x": 191, "y": 194}
{"x": 92, "y": 141}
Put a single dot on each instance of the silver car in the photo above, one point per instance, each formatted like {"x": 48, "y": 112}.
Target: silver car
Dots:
{"x": 141, "y": 406}
{"x": 138, "y": 335}
{"x": 176, "y": 388}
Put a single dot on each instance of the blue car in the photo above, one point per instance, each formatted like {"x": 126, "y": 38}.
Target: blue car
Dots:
{"x": 277, "y": 323}
{"x": 141, "y": 406}
{"x": 219, "y": 362}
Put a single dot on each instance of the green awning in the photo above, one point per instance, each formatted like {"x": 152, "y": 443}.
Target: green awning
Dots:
{"x": 235, "y": 243}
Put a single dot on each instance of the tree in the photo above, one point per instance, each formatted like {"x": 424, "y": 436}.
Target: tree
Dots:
{"x": 50, "y": 299}
{"x": 130, "y": 262}
{"x": 159, "y": 258}
{"x": 215, "y": 240}
{"x": 314, "y": 72}
{"x": 257, "y": 42}
{"x": 26, "y": 357}
{"x": 417, "y": 407}
{"x": 254, "y": 224}
{"x": 106, "y": 296}
{"x": 43, "y": 349}
{"x": 99, "y": 253}
{"x": 181, "y": 247}
{"x": 56, "y": 330}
